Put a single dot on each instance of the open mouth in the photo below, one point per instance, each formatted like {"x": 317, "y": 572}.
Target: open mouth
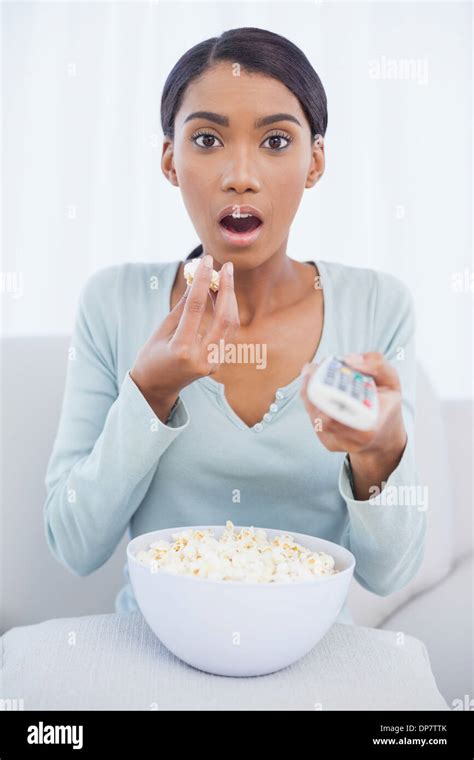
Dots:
{"x": 240, "y": 224}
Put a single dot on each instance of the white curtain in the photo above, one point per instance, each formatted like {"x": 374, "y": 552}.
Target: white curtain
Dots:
{"x": 82, "y": 186}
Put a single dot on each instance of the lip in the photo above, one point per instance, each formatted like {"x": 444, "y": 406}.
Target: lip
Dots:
{"x": 244, "y": 209}
{"x": 240, "y": 239}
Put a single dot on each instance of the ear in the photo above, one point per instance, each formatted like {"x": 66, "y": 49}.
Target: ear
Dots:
{"x": 167, "y": 162}
{"x": 316, "y": 169}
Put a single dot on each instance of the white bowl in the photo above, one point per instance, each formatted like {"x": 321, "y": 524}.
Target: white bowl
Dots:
{"x": 238, "y": 628}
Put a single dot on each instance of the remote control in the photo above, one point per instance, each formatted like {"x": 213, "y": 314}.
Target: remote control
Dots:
{"x": 344, "y": 393}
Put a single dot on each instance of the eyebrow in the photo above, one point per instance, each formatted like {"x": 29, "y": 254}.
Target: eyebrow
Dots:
{"x": 223, "y": 121}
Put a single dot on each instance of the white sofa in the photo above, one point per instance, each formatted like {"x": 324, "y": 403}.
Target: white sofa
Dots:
{"x": 436, "y": 606}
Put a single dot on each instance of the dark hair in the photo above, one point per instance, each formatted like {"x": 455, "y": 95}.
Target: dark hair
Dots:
{"x": 256, "y": 50}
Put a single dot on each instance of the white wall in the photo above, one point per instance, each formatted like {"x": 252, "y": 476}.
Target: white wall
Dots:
{"x": 81, "y": 178}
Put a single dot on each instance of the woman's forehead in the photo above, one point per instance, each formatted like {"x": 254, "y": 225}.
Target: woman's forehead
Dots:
{"x": 250, "y": 95}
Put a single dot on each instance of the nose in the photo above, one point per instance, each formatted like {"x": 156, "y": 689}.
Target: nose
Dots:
{"x": 240, "y": 173}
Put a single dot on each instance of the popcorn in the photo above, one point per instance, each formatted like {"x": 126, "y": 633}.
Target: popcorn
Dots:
{"x": 244, "y": 556}
{"x": 190, "y": 270}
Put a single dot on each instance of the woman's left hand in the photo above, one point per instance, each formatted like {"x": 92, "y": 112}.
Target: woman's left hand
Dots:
{"x": 388, "y": 436}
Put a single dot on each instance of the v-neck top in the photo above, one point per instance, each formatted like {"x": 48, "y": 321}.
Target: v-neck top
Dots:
{"x": 129, "y": 471}
{"x": 285, "y": 393}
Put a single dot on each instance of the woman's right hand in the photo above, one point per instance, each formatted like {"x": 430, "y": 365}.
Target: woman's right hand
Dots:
{"x": 177, "y": 352}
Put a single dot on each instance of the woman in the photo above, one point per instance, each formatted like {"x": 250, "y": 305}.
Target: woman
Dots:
{"x": 153, "y": 432}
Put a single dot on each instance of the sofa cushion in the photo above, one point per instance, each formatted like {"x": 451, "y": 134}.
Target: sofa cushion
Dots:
{"x": 443, "y": 619}
{"x": 432, "y": 461}
{"x": 458, "y": 417}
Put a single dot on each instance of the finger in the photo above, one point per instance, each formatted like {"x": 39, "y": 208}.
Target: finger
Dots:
{"x": 226, "y": 319}
{"x": 195, "y": 304}
{"x": 343, "y": 434}
{"x": 171, "y": 321}
{"x": 321, "y": 421}
{"x": 340, "y": 437}
{"x": 374, "y": 363}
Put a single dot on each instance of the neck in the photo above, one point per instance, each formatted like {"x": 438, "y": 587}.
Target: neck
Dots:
{"x": 263, "y": 289}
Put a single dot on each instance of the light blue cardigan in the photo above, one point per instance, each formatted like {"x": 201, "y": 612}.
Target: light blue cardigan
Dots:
{"x": 116, "y": 467}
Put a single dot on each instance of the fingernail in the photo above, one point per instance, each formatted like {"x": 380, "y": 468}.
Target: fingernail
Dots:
{"x": 207, "y": 259}
{"x": 230, "y": 268}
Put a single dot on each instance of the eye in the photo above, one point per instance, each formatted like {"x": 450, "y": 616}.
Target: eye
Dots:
{"x": 278, "y": 136}
{"x": 195, "y": 137}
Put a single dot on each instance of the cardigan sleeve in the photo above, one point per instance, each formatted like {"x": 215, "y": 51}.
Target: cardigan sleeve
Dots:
{"x": 108, "y": 443}
{"x": 387, "y": 532}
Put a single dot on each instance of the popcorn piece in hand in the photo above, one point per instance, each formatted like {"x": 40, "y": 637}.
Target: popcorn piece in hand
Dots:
{"x": 190, "y": 270}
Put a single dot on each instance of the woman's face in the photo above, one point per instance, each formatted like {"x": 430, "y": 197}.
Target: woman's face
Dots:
{"x": 222, "y": 161}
